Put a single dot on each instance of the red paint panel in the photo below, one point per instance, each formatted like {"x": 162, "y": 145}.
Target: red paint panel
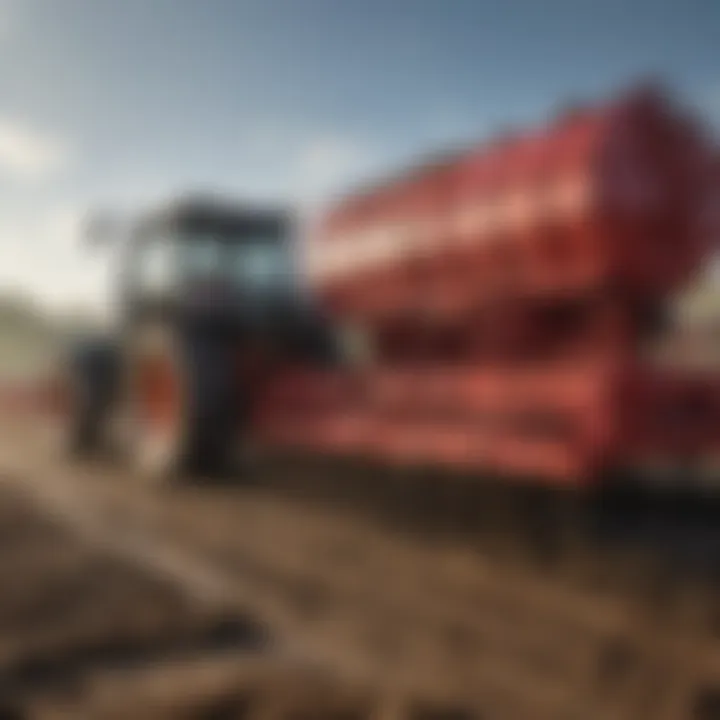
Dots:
{"x": 606, "y": 195}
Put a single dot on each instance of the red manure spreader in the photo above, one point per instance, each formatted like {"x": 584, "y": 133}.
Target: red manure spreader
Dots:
{"x": 493, "y": 312}
{"x": 507, "y": 301}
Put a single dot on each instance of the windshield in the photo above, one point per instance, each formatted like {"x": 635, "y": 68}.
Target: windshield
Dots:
{"x": 260, "y": 263}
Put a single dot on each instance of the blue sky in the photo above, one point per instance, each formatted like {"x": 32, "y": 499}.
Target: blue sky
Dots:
{"x": 126, "y": 101}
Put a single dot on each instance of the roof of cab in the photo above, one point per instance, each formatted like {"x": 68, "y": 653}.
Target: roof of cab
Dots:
{"x": 209, "y": 212}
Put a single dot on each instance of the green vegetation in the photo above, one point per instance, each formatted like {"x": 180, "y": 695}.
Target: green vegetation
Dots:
{"x": 31, "y": 337}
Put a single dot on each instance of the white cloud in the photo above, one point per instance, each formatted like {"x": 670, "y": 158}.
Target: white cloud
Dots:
{"x": 44, "y": 256}
{"x": 304, "y": 165}
{"x": 30, "y": 153}
{"x": 704, "y": 101}
{"x": 326, "y": 162}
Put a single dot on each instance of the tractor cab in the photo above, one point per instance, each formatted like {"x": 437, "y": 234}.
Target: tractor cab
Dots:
{"x": 205, "y": 259}
{"x": 204, "y": 267}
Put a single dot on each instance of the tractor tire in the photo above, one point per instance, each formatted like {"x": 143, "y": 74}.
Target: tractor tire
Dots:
{"x": 86, "y": 381}
{"x": 77, "y": 432}
{"x": 182, "y": 406}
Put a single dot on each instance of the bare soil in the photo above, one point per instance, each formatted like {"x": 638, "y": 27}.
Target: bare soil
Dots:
{"x": 126, "y": 601}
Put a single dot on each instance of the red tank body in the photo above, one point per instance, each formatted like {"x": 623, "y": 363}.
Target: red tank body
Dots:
{"x": 509, "y": 291}
{"x": 601, "y": 198}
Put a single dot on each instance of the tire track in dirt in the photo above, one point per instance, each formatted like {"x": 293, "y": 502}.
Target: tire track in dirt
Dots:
{"x": 68, "y": 610}
{"x": 222, "y": 671}
{"x": 345, "y": 592}
{"x": 128, "y": 533}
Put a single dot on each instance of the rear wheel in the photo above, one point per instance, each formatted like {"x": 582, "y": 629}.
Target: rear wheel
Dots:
{"x": 181, "y": 412}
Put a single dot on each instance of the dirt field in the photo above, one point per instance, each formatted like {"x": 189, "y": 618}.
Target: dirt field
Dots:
{"x": 124, "y": 601}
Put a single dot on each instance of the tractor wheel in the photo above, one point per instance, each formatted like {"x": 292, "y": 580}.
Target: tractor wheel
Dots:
{"x": 78, "y": 429}
{"x": 82, "y": 394}
{"x": 180, "y": 408}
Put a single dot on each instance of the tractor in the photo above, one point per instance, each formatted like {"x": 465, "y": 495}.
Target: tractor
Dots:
{"x": 208, "y": 306}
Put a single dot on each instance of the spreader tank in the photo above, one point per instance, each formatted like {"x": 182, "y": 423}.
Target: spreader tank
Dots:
{"x": 610, "y": 197}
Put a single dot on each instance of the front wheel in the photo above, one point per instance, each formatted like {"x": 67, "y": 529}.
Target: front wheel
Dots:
{"x": 82, "y": 394}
